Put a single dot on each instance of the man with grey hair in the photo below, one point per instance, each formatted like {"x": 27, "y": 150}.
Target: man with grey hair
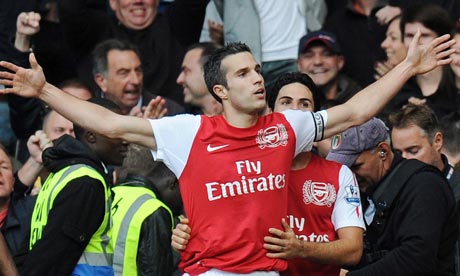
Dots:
{"x": 117, "y": 70}
{"x": 411, "y": 217}
{"x": 161, "y": 37}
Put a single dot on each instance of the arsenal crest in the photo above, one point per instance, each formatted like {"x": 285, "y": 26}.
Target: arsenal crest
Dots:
{"x": 272, "y": 137}
{"x": 319, "y": 193}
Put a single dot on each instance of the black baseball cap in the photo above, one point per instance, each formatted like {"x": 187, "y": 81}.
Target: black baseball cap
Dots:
{"x": 327, "y": 38}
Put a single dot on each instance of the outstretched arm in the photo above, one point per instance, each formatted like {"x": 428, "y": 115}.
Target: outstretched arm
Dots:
{"x": 369, "y": 101}
{"x": 32, "y": 83}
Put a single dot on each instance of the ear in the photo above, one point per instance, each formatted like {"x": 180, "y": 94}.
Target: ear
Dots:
{"x": 383, "y": 150}
{"x": 113, "y": 4}
{"x": 438, "y": 141}
{"x": 101, "y": 82}
{"x": 298, "y": 65}
{"x": 220, "y": 91}
{"x": 90, "y": 137}
{"x": 340, "y": 61}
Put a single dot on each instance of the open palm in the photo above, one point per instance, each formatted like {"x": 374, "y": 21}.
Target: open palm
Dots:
{"x": 23, "y": 82}
{"x": 426, "y": 57}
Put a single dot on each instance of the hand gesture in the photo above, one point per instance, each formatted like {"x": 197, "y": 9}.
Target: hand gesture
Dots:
{"x": 37, "y": 143}
{"x": 385, "y": 14}
{"x": 136, "y": 111}
{"x": 24, "y": 82}
{"x": 416, "y": 101}
{"x": 381, "y": 68}
{"x": 425, "y": 58}
{"x": 181, "y": 234}
{"x": 283, "y": 245}
{"x": 216, "y": 32}
{"x": 28, "y": 23}
{"x": 155, "y": 109}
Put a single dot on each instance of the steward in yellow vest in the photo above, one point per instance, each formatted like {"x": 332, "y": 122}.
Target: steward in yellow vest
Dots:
{"x": 142, "y": 213}
{"x": 70, "y": 226}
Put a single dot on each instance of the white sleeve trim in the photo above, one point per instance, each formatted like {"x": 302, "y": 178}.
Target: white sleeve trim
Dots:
{"x": 308, "y": 127}
{"x": 174, "y": 138}
{"x": 347, "y": 208}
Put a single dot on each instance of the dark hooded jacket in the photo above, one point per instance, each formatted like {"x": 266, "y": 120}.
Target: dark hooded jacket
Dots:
{"x": 77, "y": 213}
{"x": 154, "y": 252}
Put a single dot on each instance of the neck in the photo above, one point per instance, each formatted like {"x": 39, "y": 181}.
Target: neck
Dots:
{"x": 210, "y": 106}
{"x": 438, "y": 163}
{"x": 239, "y": 119}
{"x": 330, "y": 89}
{"x": 301, "y": 161}
{"x": 429, "y": 82}
{"x": 453, "y": 159}
{"x": 4, "y": 203}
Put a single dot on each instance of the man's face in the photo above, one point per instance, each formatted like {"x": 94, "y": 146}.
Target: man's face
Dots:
{"x": 412, "y": 143}
{"x": 170, "y": 195}
{"x": 368, "y": 169}
{"x": 56, "y": 125}
{"x": 410, "y": 29}
{"x": 135, "y": 14}
{"x": 123, "y": 84}
{"x": 245, "y": 91}
{"x": 455, "y": 65}
{"x": 110, "y": 151}
{"x": 192, "y": 79}
{"x": 393, "y": 43}
{"x": 294, "y": 96}
{"x": 320, "y": 64}
{"x": 6, "y": 175}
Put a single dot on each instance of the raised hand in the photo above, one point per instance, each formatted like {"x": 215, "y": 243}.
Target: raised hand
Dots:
{"x": 27, "y": 25}
{"x": 425, "y": 58}
{"x": 416, "y": 101}
{"x": 381, "y": 68}
{"x": 136, "y": 111}
{"x": 385, "y": 14}
{"x": 216, "y": 32}
{"x": 37, "y": 143}
{"x": 23, "y": 82}
{"x": 155, "y": 109}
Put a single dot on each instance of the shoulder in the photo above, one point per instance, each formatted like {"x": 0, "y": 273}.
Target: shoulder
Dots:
{"x": 305, "y": 118}
{"x": 428, "y": 180}
{"x": 85, "y": 185}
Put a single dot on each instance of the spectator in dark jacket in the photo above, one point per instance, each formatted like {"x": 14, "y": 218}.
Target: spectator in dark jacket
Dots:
{"x": 161, "y": 38}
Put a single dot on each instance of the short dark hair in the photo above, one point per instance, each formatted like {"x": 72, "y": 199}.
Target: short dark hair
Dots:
{"x": 138, "y": 161}
{"x": 208, "y": 48}
{"x": 80, "y": 131}
{"x": 294, "y": 77}
{"x": 75, "y": 83}
{"x": 101, "y": 51}
{"x": 450, "y": 128}
{"x": 419, "y": 115}
{"x": 214, "y": 74}
{"x": 5, "y": 150}
{"x": 432, "y": 16}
